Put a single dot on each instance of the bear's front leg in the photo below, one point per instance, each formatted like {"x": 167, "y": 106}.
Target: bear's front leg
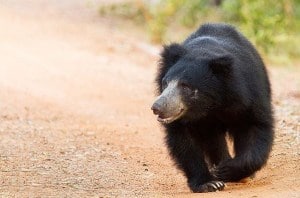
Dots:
{"x": 189, "y": 158}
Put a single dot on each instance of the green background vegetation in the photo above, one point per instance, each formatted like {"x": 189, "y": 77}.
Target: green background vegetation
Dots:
{"x": 272, "y": 25}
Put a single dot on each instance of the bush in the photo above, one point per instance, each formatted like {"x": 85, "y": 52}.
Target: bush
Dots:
{"x": 267, "y": 23}
{"x": 273, "y": 26}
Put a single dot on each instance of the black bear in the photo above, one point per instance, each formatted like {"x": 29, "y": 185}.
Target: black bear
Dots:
{"x": 215, "y": 83}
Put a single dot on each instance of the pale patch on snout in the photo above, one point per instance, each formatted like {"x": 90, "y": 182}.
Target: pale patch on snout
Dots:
{"x": 169, "y": 105}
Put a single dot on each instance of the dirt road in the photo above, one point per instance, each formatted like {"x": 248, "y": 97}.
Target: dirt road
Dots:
{"x": 75, "y": 92}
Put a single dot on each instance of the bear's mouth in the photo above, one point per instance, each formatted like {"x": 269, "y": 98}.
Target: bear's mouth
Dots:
{"x": 171, "y": 118}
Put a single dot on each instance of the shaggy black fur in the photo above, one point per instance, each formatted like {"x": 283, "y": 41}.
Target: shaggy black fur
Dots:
{"x": 233, "y": 96}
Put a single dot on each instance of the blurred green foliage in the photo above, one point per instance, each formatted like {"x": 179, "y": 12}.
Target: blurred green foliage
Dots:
{"x": 272, "y": 25}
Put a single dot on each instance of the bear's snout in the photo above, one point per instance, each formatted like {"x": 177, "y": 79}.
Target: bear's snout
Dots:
{"x": 156, "y": 108}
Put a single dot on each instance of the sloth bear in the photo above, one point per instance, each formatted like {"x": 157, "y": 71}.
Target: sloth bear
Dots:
{"x": 214, "y": 83}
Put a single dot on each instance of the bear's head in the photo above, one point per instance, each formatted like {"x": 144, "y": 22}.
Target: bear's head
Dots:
{"x": 191, "y": 84}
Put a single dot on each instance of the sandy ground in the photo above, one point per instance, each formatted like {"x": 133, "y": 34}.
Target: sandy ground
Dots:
{"x": 75, "y": 119}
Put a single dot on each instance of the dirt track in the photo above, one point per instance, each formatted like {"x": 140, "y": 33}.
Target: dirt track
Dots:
{"x": 75, "y": 92}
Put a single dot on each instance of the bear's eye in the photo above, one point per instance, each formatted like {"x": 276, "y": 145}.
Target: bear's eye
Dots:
{"x": 185, "y": 86}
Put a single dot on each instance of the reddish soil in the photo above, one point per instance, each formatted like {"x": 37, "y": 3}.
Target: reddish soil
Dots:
{"x": 75, "y": 119}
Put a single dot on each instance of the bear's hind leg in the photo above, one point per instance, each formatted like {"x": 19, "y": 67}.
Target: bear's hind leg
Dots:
{"x": 252, "y": 146}
{"x": 215, "y": 147}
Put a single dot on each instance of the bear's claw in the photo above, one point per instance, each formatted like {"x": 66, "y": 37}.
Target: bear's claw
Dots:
{"x": 211, "y": 186}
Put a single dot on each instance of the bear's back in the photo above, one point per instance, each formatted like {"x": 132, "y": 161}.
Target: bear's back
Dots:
{"x": 226, "y": 37}
{"x": 218, "y": 31}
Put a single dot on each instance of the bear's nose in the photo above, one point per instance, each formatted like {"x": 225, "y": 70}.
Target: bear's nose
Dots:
{"x": 156, "y": 108}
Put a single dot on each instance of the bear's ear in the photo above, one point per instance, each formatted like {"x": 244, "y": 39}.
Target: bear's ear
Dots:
{"x": 171, "y": 54}
{"x": 221, "y": 65}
